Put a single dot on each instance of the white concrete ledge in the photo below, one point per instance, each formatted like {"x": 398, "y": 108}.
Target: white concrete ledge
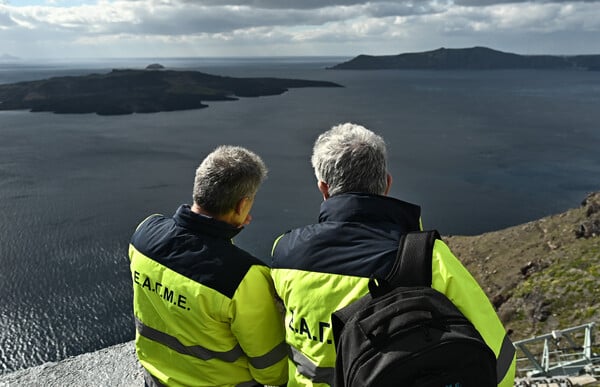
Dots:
{"x": 114, "y": 366}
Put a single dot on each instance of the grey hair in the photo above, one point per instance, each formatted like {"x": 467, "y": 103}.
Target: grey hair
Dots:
{"x": 225, "y": 176}
{"x": 351, "y": 158}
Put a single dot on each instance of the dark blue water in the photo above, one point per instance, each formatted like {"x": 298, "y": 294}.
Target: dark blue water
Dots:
{"x": 478, "y": 150}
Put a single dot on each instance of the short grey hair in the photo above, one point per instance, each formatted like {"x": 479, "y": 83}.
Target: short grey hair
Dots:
{"x": 351, "y": 158}
{"x": 225, "y": 176}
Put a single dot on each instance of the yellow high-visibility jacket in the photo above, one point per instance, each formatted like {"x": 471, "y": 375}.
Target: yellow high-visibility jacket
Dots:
{"x": 321, "y": 268}
{"x": 205, "y": 310}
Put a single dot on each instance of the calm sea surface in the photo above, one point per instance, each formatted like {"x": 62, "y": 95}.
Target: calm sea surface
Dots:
{"x": 478, "y": 151}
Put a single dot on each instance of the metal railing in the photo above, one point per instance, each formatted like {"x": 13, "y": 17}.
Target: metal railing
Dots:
{"x": 559, "y": 353}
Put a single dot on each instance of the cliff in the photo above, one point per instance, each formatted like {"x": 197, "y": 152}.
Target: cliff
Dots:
{"x": 139, "y": 91}
{"x": 475, "y": 58}
{"x": 541, "y": 275}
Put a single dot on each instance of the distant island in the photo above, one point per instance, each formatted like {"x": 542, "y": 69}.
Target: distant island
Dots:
{"x": 475, "y": 58}
{"x": 8, "y": 57}
{"x": 139, "y": 91}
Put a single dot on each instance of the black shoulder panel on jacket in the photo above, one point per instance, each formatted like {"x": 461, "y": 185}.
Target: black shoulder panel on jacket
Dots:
{"x": 357, "y": 235}
{"x": 346, "y": 248}
{"x": 210, "y": 260}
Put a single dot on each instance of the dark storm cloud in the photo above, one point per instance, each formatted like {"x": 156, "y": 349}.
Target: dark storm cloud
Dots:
{"x": 393, "y": 7}
{"x": 483, "y": 3}
{"x": 279, "y": 4}
{"x": 198, "y": 17}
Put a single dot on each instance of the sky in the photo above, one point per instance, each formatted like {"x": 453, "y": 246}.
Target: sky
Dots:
{"x": 32, "y": 29}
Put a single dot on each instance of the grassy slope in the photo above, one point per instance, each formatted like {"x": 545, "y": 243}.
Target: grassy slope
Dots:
{"x": 539, "y": 274}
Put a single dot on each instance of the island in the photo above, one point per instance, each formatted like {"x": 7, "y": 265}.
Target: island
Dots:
{"x": 139, "y": 91}
{"x": 474, "y": 58}
{"x": 8, "y": 57}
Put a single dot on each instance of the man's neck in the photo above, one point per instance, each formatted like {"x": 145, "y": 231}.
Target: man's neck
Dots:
{"x": 201, "y": 211}
{"x": 223, "y": 218}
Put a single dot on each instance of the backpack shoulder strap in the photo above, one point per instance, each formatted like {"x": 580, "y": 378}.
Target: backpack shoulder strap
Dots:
{"x": 412, "y": 266}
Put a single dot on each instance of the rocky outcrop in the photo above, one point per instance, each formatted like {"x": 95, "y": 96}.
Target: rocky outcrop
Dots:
{"x": 590, "y": 226}
{"x": 155, "y": 66}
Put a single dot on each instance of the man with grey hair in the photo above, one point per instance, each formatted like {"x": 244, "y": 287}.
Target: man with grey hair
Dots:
{"x": 205, "y": 311}
{"x": 323, "y": 267}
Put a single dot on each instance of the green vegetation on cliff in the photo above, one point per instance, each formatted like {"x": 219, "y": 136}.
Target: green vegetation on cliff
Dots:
{"x": 542, "y": 275}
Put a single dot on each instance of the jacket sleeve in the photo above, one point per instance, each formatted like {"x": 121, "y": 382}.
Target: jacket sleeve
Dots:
{"x": 258, "y": 325}
{"x": 451, "y": 278}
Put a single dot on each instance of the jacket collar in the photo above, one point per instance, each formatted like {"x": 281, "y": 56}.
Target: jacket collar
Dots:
{"x": 366, "y": 208}
{"x": 197, "y": 223}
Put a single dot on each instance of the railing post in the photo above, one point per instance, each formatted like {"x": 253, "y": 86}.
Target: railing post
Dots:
{"x": 587, "y": 343}
{"x": 570, "y": 358}
{"x": 546, "y": 356}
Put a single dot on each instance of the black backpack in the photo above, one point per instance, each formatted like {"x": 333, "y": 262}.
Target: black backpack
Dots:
{"x": 405, "y": 333}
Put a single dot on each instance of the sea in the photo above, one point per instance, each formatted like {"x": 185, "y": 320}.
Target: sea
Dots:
{"x": 478, "y": 150}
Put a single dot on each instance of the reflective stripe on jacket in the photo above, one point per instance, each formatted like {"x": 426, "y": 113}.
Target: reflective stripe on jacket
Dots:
{"x": 323, "y": 267}
{"x": 204, "y": 309}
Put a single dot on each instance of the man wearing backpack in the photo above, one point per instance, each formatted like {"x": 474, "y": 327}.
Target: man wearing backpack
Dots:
{"x": 323, "y": 267}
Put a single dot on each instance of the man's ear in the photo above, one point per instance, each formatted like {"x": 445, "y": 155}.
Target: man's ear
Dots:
{"x": 239, "y": 207}
{"x": 324, "y": 188}
{"x": 388, "y": 180}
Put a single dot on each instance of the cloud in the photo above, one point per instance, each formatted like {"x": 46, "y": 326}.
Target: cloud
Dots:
{"x": 172, "y": 18}
{"x": 525, "y": 18}
{"x": 286, "y": 27}
{"x": 5, "y": 20}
